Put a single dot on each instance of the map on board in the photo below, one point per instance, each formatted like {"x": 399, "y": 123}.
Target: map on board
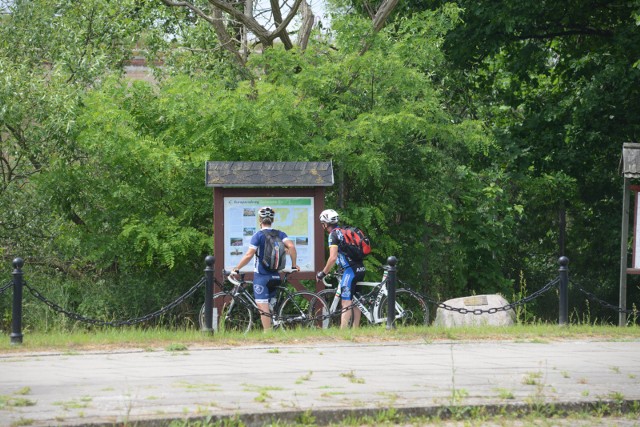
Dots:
{"x": 293, "y": 215}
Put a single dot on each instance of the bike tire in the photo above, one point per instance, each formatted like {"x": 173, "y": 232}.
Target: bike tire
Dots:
{"x": 411, "y": 309}
{"x": 303, "y": 310}
{"x": 329, "y": 296}
{"x": 233, "y": 316}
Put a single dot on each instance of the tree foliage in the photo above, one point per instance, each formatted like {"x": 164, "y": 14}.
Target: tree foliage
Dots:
{"x": 558, "y": 83}
{"x": 457, "y": 133}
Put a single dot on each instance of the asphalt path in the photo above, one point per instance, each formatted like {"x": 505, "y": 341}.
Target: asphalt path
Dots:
{"x": 327, "y": 381}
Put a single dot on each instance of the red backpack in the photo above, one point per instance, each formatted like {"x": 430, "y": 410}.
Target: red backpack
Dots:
{"x": 355, "y": 243}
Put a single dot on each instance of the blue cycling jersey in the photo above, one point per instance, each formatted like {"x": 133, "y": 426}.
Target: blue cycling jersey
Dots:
{"x": 335, "y": 238}
{"x": 257, "y": 242}
{"x": 353, "y": 270}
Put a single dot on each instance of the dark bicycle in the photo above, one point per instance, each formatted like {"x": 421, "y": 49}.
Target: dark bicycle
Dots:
{"x": 236, "y": 309}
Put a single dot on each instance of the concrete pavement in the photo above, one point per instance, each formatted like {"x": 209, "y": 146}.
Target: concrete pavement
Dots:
{"x": 262, "y": 383}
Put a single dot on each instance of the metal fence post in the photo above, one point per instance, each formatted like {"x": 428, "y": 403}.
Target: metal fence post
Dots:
{"x": 564, "y": 290}
{"x": 392, "y": 279}
{"x": 208, "y": 293}
{"x": 16, "y": 313}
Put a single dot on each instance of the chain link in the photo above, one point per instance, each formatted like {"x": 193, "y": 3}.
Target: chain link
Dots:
{"x": 5, "y": 287}
{"x": 493, "y": 310}
{"x": 604, "y": 303}
{"x": 149, "y": 316}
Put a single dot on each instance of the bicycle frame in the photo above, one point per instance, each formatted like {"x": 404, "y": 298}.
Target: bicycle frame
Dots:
{"x": 241, "y": 294}
{"x": 380, "y": 290}
{"x": 370, "y": 315}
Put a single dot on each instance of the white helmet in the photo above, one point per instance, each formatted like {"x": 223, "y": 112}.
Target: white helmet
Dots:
{"x": 266, "y": 212}
{"x": 329, "y": 216}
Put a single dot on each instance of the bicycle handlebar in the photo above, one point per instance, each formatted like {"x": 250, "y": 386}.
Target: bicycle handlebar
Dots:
{"x": 324, "y": 279}
{"x": 238, "y": 282}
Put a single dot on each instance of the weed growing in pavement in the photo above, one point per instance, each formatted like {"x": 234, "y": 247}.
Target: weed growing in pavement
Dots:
{"x": 304, "y": 378}
{"x": 503, "y": 393}
{"x": 83, "y": 402}
{"x": 532, "y": 378}
{"x": 352, "y": 377}
{"x": 263, "y": 392}
{"x": 14, "y": 400}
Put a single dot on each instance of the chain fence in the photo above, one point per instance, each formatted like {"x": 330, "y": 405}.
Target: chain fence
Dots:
{"x": 603, "y": 303}
{"x": 493, "y": 310}
{"x": 551, "y": 285}
{"x": 6, "y": 287}
{"x": 75, "y": 316}
{"x": 276, "y": 317}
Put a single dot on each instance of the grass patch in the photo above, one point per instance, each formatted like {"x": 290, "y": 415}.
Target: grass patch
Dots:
{"x": 22, "y": 422}
{"x": 177, "y": 347}
{"x": 151, "y": 339}
{"x": 83, "y": 402}
{"x": 456, "y": 416}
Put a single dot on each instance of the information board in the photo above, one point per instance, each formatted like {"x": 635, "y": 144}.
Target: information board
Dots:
{"x": 294, "y": 216}
{"x": 636, "y": 228}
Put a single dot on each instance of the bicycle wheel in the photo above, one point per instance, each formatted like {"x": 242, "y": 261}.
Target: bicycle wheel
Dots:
{"x": 303, "y": 310}
{"x": 233, "y": 317}
{"x": 410, "y": 309}
{"x": 330, "y": 298}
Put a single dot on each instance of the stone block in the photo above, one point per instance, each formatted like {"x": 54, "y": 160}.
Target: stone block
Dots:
{"x": 449, "y": 318}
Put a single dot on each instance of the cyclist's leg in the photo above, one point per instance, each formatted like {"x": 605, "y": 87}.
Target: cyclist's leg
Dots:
{"x": 347, "y": 287}
{"x": 263, "y": 289}
{"x": 358, "y": 277}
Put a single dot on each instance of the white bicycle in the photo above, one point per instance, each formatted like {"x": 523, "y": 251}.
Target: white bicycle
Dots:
{"x": 371, "y": 298}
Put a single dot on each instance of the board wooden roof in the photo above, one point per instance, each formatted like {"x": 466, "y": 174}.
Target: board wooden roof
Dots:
{"x": 630, "y": 161}
{"x": 268, "y": 174}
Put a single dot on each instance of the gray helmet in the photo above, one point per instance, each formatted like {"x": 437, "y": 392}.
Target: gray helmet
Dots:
{"x": 266, "y": 212}
{"x": 329, "y": 216}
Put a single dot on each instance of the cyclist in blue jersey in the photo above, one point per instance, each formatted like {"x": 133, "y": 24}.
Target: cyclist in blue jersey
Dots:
{"x": 264, "y": 280}
{"x": 353, "y": 270}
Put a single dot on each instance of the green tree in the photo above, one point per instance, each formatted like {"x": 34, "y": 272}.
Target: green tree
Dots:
{"x": 419, "y": 179}
{"x": 128, "y": 218}
{"x": 558, "y": 83}
{"x": 50, "y": 52}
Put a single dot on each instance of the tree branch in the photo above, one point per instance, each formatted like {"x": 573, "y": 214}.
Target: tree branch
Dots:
{"x": 216, "y": 22}
{"x": 283, "y": 26}
{"x": 306, "y": 26}
{"x": 277, "y": 18}
{"x": 383, "y": 13}
{"x": 570, "y": 32}
{"x": 22, "y": 142}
